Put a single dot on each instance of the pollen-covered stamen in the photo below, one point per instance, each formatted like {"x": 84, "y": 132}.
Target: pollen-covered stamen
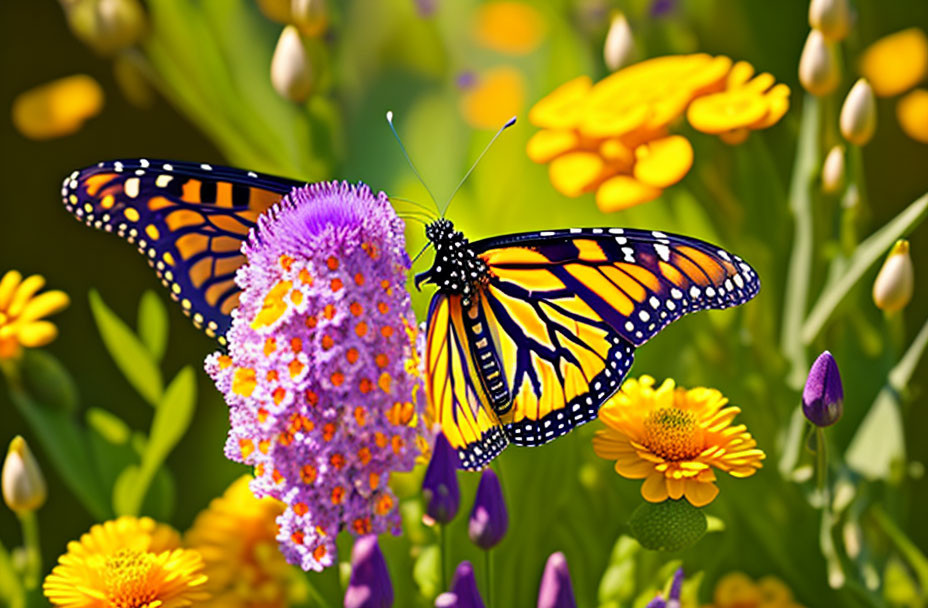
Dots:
{"x": 126, "y": 578}
{"x": 673, "y": 434}
{"x": 457, "y": 269}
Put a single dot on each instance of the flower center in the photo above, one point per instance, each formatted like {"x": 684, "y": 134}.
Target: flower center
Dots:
{"x": 673, "y": 434}
{"x": 126, "y": 576}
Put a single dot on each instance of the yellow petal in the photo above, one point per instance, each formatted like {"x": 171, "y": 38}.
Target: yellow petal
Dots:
{"x": 735, "y": 136}
{"x": 740, "y": 73}
{"x": 654, "y": 488}
{"x": 663, "y": 162}
{"x": 623, "y": 191}
{"x": 632, "y": 467}
{"x": 575, "y": 172}
{"x": 778, "y": 102}
{"x": 675, "y": 488}
{"x": 549, "y": 144}
{"x": 563, "y": 107}
{"x": 736, "y": 589}
{"x": 912, "y": 112}
{"x": 43, "y": 305}
{"x": 24, "y": 293}
{"x": 609, "y": 444}
{"x": 614, "y": 121}
{"x": 498, "y": 96}
{"x": 700, "y": 493}
{"x": 57, "y": 108}
{"x": 37, "y": 334}
{"x": 515, "y": 28}
{"x": 896, "y": 63}
{"x": 773, "y": 591}
{"x": 8, "y": 285}
{"x": 725, "y": 111}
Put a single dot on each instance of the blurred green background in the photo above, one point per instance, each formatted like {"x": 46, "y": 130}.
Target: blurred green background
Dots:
{"x": 384, "y": 55}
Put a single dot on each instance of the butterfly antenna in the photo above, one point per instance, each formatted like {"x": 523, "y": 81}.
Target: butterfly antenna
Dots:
{"x": 508, "y": 124}
{"x": 417, "y": 205}
{"x": 409, "y": 160}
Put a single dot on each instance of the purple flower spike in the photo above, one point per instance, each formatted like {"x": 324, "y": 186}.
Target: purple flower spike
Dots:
{"x": 440, "y": 486}
{"x": 556, "y": 589}
{"x": 657, "y": 602}
{"x": 489, "y": 519}
{"x": 464, "y": 587}
{"x": 823, "y": 395}
{"x": 369, "y": 586}
{"x": 675, "y": 588}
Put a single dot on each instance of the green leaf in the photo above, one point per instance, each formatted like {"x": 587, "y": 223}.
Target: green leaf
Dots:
{"x": 47, "y": 379}
{"x": 171, "y": 420}
{"x": 65, "y": 444}
{"x": 11, "y": 589}
{"x": 131, "y": 357}
{"x": 877, "y": 450}
{"x": 108, "y": 425}
{"x": 868, "y": 253}
{"x": 909, "y": 551}
{"x": 153, "y": 324}
{"x": 426, "y": 571}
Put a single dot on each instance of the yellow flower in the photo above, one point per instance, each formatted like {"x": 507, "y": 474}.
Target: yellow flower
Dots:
{"x": 236, "y": 537}
{"x": 896, "y": 63}
{"x": 57, "y": 108}
{"x": 127, "y": 562}
{"x": 673, "y": 438}
{"x": 912, "y": 112}
{"x": 738, "y": 590}
{"x": 614, "y": 138}
{"x": 497, "y": 96}
{"x": 515, "y": 28}
{"x": 22, "y": 313}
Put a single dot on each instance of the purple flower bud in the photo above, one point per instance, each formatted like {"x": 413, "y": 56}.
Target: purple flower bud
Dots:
{"x": 556, "y": 589}
{"x": 489, "y": 519}
{"x": 440, "y": 486}
{"x": 823, "y": 395}
{"x": 446, "y": 600}
{"x": 675, "y": 588}
{"x": 657, "y": 602}
{"x": 369, "y": 586}
{"x": 464, "y": 588}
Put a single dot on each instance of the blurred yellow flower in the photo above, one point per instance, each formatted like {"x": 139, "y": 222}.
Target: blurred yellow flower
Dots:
{"x": 57, "y": 108}
{"x": 22, "y": 313}
{"x": 309, "y": 16}
{"x": 896, "y": 63}
{"x": 236, "y": 536}
{"x": 497, "y": 95}
{"x": 515, "y": 28}
{"x": 127, "y": 562}
{"x": 673, "y": 438}
{"x": 613, "y": 137}
{"x": 912, "y": 112}
{"x": 738, "y": 590}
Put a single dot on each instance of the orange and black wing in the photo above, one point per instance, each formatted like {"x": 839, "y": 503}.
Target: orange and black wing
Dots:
{"x": 567, "y": 308}
{"x": 189, "y": 221}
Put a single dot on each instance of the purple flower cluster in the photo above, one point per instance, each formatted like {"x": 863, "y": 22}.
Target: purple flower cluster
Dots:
{"x": 319, "y": 378}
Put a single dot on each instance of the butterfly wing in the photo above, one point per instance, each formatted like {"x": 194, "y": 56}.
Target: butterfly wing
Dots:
{"x": 455, "y": 394}
{"x": 567, "y": 309}
{"x": 189, "y": 220}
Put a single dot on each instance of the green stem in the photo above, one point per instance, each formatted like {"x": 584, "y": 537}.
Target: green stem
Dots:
{"x": 800, "y": 263}
{"x": 821, "y": 456}
{"x": 443, "y": 549}
{"x": 916, "y": 559}
{"x": 30, "y": 527}
{"x": 488, "y": 563}
{"x": 900, "y": 375}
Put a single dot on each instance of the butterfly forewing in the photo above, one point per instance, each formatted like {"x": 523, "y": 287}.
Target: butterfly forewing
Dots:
{"x": 189, "y": 220}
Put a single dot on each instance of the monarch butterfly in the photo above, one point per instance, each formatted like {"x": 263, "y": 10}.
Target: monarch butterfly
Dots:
{"x": 527, "y": 335}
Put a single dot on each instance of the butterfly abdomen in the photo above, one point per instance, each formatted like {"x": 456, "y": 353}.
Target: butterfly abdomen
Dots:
{"x": 487, "y": 360}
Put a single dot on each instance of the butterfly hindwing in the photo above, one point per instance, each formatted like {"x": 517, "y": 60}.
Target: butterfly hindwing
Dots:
{"x": 455, "y": 394}
{"x": 189, "y": 220}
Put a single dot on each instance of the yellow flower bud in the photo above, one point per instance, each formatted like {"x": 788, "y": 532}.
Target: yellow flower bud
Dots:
{"x": 23, "y": 485}
{"x": 310, "y": 16}
{"x": 831, "y": 17}
{"x": 619, "y": 48}
{"x": 893, "y": 287}
{"x": 818, "y": 65}
{"x": 291, "y": 72}
{"x": 107, "y": 26}
{"x": 858, "y": 114}
{"x": 833, "y": 171}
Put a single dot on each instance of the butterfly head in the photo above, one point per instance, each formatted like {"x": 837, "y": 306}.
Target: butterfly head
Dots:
{"x": 457, "y": 269}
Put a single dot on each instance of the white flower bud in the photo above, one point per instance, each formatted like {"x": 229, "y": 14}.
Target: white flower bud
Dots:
{"x": 107, "y": 26}
{"x": 291, "y": 72}
{"x": 619, "y": 48}
{"x": 858, "y": 114}
{"x": 831, "y": 17}
{"x": 23, "y": 485}
{"x": 818, "y": 65}
{"x": 833, "y": 171}
{"x": 893, "y": 287}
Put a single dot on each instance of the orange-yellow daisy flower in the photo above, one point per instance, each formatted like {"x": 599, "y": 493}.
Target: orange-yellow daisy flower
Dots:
{"x": 236, "y": 535}
{"x": 22, "y": 313}
{"x": 515, "y": 28}
{"x": 127, "y": 562}
{"x": 497, "y": 96}
{"x": 896, "y": 63}
{"x": 738, "y": 590}
{"x": 912, "y": 112}
{"x": 57, "y": 108}
{"x": 674, "y": 438}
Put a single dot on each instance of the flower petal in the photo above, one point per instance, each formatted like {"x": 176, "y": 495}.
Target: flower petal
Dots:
{"x": 623, "y": 191}
{"x": 654, "y": 488}
{"x": 663, "y": 162}
{"x": 700, "y": 493}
